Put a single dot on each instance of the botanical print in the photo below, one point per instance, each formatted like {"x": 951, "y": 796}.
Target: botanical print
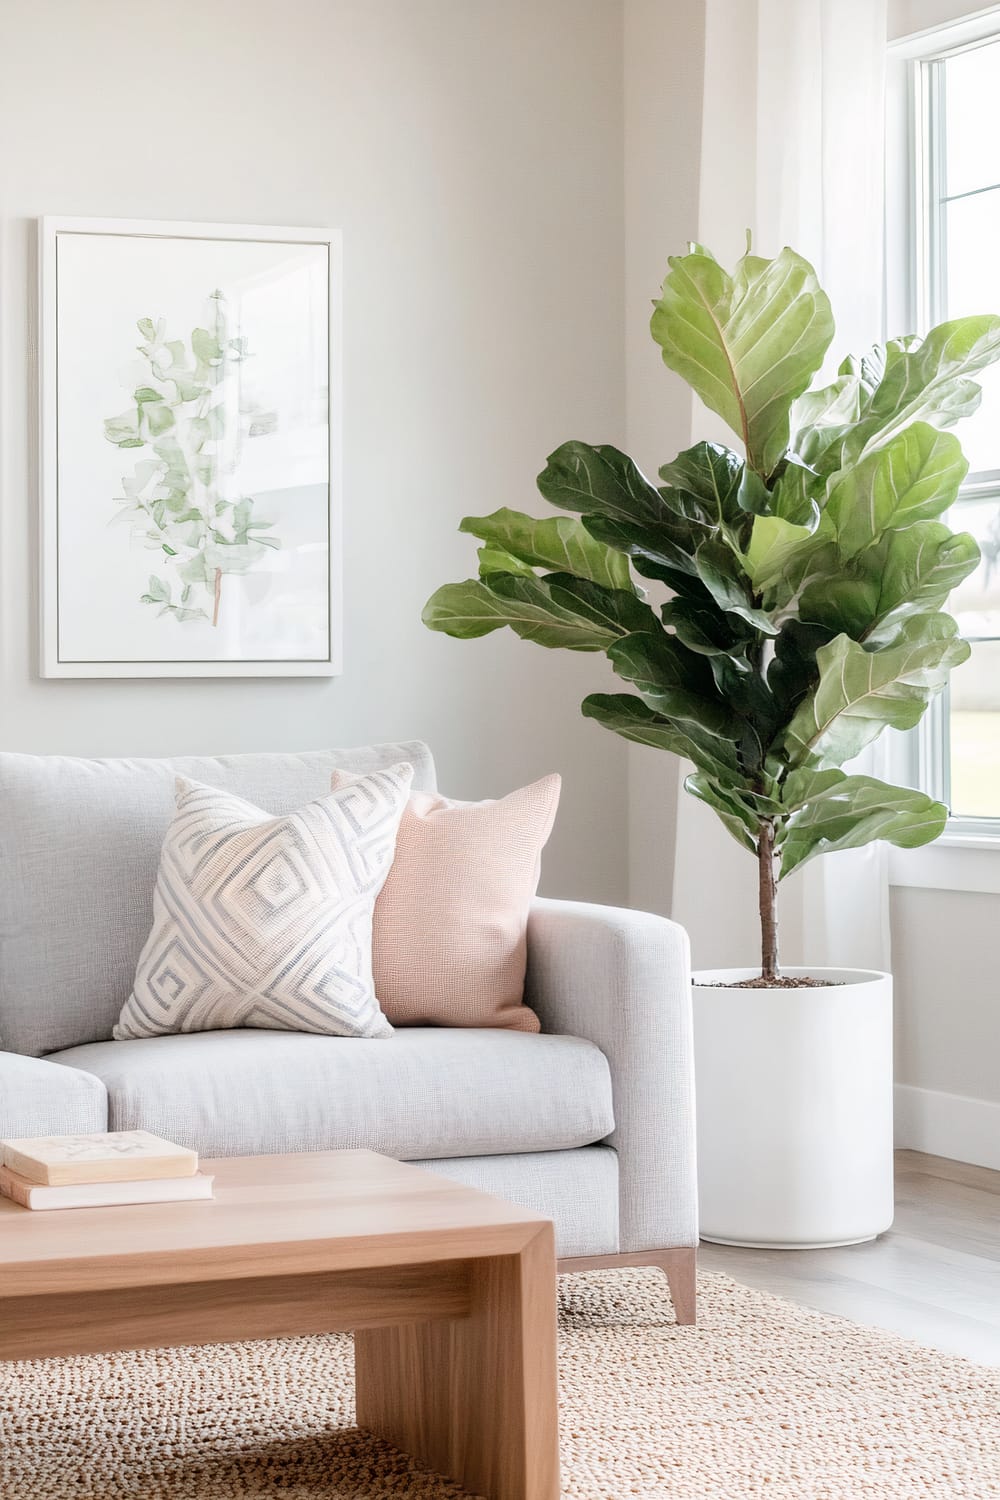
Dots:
{"x": 187, "y": 414}
{"x": 188, "y": 509}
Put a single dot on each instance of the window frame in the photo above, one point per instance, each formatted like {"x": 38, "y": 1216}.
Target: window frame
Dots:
{"x": 913, "y": 299}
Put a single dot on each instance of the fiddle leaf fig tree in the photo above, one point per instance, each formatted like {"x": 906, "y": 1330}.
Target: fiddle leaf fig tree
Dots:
{"x": 775, "y": 605}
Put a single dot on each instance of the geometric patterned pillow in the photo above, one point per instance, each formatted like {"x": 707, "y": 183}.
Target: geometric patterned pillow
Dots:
{"x": 266, "y": 922}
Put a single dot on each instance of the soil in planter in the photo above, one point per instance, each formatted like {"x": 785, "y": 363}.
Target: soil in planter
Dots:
{"x": 783, "y": 982}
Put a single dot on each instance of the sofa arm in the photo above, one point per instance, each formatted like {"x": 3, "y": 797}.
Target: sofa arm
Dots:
{"x": 622, "y": 979}
{"x": 44, "y": 1098}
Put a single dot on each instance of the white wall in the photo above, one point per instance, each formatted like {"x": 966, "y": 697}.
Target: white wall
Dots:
{"x": 472, "y": 153}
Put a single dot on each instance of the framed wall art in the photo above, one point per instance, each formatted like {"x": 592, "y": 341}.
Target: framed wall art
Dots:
{"x": 190, "y": 450}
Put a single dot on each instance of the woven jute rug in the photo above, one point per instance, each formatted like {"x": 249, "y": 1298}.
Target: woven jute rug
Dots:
{"x": 761, "y": 1399}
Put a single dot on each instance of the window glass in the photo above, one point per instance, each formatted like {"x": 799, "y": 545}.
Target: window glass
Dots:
{"x": 972, "y": 146}
{"x": 974, "y": 726}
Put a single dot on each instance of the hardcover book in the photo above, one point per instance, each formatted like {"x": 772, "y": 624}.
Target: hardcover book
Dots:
{"x": 103, "y": 1194}
{"x": 108, "y": 1156}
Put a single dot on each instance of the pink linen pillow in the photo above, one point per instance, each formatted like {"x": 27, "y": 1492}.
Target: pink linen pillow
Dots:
{"x": 449, "y": 939}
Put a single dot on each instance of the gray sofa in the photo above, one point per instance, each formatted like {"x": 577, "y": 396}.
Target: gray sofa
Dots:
{"x": 591, "y": 1122}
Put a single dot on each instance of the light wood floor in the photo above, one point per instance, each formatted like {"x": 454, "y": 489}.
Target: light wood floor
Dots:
{"x": 934, "y": 1277}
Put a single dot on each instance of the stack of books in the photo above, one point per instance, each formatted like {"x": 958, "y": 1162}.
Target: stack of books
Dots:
{"x": 99, "y": 1171}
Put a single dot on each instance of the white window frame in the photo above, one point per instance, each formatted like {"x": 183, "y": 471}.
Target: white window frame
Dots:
{"x": 967, "y": 856}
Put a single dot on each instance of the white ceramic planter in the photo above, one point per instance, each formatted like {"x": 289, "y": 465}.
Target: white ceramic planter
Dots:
{"x": 794, "y": 1096}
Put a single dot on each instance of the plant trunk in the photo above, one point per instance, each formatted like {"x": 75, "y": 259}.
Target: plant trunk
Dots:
{"x": 218, "y": 596}
{"x": 768, "y": 888}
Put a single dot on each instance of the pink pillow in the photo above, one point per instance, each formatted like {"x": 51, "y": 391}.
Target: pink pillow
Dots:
{"x": 449, "y": 936}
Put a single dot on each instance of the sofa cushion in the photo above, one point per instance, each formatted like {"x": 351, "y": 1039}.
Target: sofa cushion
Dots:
{"x": 79, "y": 850}
{"x": 425, "y": 1092}
{"x": 450, "y": 937}
{"x": 37, "y": 1098}
{"x": 263, "y": 921}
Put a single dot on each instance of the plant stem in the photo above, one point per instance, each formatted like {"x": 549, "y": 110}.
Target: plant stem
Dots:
{"x": 218, "y": 596}
{"x": 768, "y": 889}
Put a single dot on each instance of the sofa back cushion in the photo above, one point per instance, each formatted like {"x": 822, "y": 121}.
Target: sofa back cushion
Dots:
{"x": 79, "y": 850}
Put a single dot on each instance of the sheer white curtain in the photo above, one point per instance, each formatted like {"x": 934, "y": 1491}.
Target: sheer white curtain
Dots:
{"x": 817, "y": 98}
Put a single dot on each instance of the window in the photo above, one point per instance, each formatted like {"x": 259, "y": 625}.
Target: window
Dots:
{"x": 943, "y": 261}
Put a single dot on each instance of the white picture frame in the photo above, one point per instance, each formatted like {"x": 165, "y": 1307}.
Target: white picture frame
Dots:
{"x": 240, "y": 454}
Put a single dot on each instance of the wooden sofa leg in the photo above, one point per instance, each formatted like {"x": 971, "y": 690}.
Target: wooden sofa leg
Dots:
{"x": 679, "y": 1265}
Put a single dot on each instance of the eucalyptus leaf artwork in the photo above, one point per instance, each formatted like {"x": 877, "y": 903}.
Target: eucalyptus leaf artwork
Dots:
{"x": 775, "y": 605}
{"x": 186, "y": 418}
{"x": 190, "y": 449}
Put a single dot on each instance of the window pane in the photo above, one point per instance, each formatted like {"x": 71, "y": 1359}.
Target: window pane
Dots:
{"x": 972, "y": 153}
{"x": 975, "y": 734}
{"x": 976, "y": 602}
{"x": 974, "y": 719}
{"x": 972, "y": 250}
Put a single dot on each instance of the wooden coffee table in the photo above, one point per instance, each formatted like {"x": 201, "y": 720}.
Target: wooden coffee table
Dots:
{"x": 451, "y": 1293}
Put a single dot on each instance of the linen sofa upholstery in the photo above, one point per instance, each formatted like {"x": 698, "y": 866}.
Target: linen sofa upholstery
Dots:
{"x": 590, "y": 1122}
{"x": 79, "y": 850}
{"x": 622, "y": 979}
{"x": 39, "y": 1098}
{"x": 427, "y": 1092}
{"x": 578, "y": 1189}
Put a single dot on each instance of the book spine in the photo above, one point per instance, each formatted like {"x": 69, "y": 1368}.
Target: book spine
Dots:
{"x": 105, "y": 1195}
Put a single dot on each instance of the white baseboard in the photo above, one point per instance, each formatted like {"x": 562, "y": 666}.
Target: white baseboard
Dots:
{"x": 949, "y": 1125}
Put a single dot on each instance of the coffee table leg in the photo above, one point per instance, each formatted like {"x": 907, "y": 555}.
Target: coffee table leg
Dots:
{"x": 475, "y": 1398}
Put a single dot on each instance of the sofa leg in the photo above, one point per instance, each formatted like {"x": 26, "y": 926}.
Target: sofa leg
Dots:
{"x": 679, "y": 1265}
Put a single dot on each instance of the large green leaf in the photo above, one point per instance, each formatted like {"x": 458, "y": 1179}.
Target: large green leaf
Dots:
{"x": 673, "y": 680}
{"x": 701, "y": 625}
{"x": 818, "y": 415}
{"x": 773, "y": 543}
{"x": 555, "y": 611}
{"x": 910, "y": 380}
{"x": 792, "y": 671}
{"x": 868, "y": 595}
{"x": 741, "y": 686}
{"x": 747, "y": 344}
{"x": 920, "y": 567}
{"x": 913, "y": 477}
{"x": 634, "y": 720}
{"x": 722, "y": 574}
{"x": 861, "y": 692}
{"x": 493, "y": 560}
{"x": 829, "y": 810}
{"x": 728, "y": 727}
{"x": 600, "y": 481}
{"x": 928, "y": 379}
{"x": 702, "y": 485}
{"x": 661, "y": 550}
{"x": 561, "y": 544}
{"x": 739, "y": 819}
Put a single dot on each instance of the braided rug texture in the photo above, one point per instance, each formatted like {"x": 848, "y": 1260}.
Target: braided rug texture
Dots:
{"x": 762, "y": 1399}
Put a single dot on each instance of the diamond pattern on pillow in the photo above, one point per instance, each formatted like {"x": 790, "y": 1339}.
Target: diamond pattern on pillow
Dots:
{"x": 267, "y": 922}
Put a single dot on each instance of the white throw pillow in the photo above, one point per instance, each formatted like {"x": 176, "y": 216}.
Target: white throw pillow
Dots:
{"x": 264, "y": 921}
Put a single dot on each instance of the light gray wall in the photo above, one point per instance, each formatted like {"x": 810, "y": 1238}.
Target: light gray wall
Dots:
{"x": 471, "y": 150}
